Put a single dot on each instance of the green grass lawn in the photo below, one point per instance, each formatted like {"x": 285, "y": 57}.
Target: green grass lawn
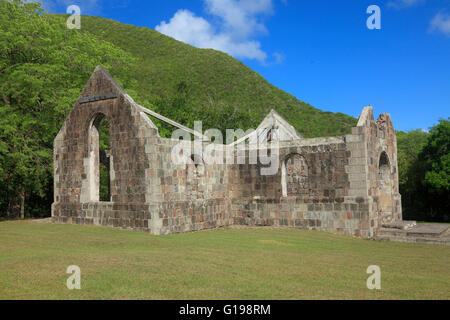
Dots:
{"x": 220, "y": 264}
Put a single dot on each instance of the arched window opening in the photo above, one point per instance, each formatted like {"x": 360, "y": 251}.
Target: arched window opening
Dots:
{"x": 295, "y": 176}
{"x": 105, "y": 160}
{"x": 384, "y": 167}
{"x": 272, "y": 134}
{"x": 101, "y": 154}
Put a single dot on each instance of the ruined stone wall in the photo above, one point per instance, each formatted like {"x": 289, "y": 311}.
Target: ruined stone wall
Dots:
{"x": 148, "y": 191}
{"x": 345, "y": 184}
{"x": 186, "y": 197}
{"x": 76, "y": 161}
{"x": 326, "y": 201}
{"x": 382, "y": 169}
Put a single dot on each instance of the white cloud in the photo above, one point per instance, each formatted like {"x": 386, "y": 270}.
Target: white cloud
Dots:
{"x": 441, "y": 23}
{"x": 235, "y": 23}
{"x": 196, "y": 31}
{"x": 403, "y": 4}
{"x": 240, "y": 18}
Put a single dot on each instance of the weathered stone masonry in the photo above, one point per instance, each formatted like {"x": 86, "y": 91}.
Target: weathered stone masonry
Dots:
{"x": 345, "y": 184}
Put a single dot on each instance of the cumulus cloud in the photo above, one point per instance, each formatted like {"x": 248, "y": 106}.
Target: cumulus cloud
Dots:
{"x": 236, "y": 23}
{"x": 403, "y": 4}
{"x": 441, "y": 23}
{"x": 196, "y": 31}
{"x": 240, "y": 18}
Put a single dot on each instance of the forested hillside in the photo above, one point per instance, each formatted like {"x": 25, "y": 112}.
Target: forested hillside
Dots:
{"x": 188, "y": 84}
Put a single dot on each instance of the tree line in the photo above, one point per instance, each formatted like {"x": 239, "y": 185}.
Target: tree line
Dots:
{"x": 424, "y": 173}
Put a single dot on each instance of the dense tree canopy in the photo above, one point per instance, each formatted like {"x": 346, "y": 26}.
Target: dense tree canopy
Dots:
{"x": 43, "y": 65}
{"x": 424, "y": 167}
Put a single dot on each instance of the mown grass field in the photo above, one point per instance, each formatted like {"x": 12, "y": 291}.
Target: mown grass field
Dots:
{"x": 220, "y": 264}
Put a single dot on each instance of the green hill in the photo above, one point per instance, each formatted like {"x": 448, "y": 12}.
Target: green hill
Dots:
{"x": 213, "y": 86}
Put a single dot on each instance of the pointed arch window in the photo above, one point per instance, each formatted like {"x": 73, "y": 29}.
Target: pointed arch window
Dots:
{"x": 384, "y": 167}
{"x": 100, "y": 160}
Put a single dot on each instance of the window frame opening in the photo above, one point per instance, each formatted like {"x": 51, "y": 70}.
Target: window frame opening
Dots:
{"x": 384, "y": 166}
{"x": 100, "y": 159}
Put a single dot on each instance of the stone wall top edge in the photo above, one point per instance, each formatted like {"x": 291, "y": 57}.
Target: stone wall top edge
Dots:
{"x": 284, "y": 144}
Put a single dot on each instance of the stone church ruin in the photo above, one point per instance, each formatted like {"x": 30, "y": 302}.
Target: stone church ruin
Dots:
{"x": 346, "y": 184}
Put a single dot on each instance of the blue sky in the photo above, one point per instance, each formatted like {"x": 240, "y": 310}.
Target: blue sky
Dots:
{"x": 319, "y": 51}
